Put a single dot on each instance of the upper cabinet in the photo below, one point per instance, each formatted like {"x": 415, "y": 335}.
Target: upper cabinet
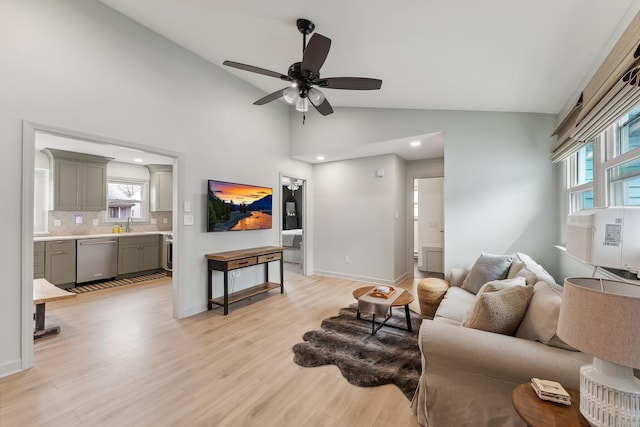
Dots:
{"x": 160, "y": 188}
{"x": 79, "y": 180}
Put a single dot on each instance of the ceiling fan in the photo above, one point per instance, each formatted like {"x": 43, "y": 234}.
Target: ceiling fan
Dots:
{"x": 305, "y": 75}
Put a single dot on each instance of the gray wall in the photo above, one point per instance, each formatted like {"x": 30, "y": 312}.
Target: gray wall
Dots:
{"x": 79, "y": 65}
{"x": 355, "y": 210}
{"x": 500, "y": 190}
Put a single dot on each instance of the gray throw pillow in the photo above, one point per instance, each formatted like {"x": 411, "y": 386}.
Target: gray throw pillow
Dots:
{"x": 487, "y": 268}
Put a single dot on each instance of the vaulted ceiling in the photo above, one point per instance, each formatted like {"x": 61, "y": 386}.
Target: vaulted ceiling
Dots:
{"x": 485, "y": 55}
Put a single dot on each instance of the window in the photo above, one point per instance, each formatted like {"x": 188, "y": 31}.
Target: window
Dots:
{"x": 127, "y": 198}
{"x": 606, "y": 171}
{"x": 629, "y": 132}
{"x": 580, "y": 179}
{"x": 624, "y": 184}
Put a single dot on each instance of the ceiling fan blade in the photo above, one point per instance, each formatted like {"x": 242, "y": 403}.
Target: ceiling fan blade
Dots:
{"x": 271, "y": 97}
{"x": 324, "y": 108}
{"x": 315, "y": 53}
{"x": 352, "y": 83}
{"x": 258, "y": 70}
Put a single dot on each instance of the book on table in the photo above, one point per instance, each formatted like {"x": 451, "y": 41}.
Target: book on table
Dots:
{"x": 551, "y": 391}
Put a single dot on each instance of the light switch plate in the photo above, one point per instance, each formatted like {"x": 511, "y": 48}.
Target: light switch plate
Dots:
{"x": 79, "y": 219}
{"x": 56, "y": 223}
{"x": 188, "y": 220}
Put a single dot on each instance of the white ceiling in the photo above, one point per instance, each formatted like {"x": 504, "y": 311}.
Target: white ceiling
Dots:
{"x": 489, "y": 55}
{"x": 117, "y": 152}
{"x": 482, "y": 55}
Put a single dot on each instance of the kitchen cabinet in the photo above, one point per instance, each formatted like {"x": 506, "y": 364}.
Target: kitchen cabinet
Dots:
{"x": 138, "y": 253}
{"x": 38, "y": 260}
{"x": 160, "y": 188}
{"x": 79, "y": 181}
{"x": 60, "y": 263}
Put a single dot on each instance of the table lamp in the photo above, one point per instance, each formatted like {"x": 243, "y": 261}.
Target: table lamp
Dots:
{"x": 602, "y": 318}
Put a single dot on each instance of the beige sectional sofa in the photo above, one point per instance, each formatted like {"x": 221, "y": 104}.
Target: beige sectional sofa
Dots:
{"x": 468, "y": 374}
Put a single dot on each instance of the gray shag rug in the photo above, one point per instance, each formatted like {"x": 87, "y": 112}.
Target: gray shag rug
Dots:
{"x": 391, "y": 356}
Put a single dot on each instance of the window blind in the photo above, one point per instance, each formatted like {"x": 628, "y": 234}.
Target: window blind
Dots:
{"x": 612, "y": 91}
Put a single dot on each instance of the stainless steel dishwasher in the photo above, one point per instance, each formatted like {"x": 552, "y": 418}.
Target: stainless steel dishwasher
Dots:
{"x": 97, "y": 259}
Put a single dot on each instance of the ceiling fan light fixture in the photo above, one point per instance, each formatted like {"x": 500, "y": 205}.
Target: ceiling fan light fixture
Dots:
{"x": 302, "y": 105}
{"x": 291, "y": 95}
{"x": 316, "y": 96}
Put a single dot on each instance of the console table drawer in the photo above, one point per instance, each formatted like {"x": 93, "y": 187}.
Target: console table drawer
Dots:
{"x": 268, "y": 258}
{"x": 239, "y": 263}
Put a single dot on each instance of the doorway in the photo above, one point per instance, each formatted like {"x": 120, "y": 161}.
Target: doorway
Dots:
{"x": 77, "y": 142}
{"x": 293, "y": 223}
{"x": 428, "y": 227}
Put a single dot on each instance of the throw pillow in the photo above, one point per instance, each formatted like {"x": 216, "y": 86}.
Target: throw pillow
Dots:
{"x": 486, "y": 268}
{"x": 499, "y": 311}
{"x": 498, "y": 285}
{"x": 541, "y": 319}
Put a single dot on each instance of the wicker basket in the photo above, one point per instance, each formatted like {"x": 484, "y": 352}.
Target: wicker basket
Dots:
{"x": 430, "y": 292}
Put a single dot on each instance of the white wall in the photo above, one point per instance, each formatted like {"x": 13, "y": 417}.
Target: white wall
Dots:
{"x": 400, "y": 220}
{"x": 500, "y": 193}
{"x": 355, "y": 211}
{"x": 79, "y": 65}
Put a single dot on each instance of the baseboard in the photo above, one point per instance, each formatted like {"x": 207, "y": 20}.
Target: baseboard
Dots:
{"x": 10, "y": 368}
{"x": 401, "y": 279}
{"x": 372, "y": 280}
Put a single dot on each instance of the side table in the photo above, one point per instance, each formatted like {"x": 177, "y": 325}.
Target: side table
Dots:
{"x": 542, "y": 413}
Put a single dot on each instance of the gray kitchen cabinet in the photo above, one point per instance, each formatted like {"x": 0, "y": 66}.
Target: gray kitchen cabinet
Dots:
{"x": 160, "y": 188}
{"x": 60, "y": 263}
{"x": 79, "y": 181}
{"x": 38, "y": 260}
{"x": 138, "y": 253}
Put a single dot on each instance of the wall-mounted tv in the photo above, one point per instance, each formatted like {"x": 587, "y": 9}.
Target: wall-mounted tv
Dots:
{"x": 233, "y": 207}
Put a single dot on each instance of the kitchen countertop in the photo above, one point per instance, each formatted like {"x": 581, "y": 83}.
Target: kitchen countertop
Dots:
{"x": 44, "y": 238}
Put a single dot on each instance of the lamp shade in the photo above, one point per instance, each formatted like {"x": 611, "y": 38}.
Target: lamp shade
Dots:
{"x": 602, "y": 318}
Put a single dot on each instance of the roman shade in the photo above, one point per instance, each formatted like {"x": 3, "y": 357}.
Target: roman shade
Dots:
{"x": 613, "y": 91}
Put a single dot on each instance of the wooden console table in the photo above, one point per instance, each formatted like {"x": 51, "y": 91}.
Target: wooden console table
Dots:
{"x": 233, "y": 260}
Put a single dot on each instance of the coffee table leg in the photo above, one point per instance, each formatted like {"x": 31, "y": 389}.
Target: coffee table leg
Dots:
{"x": 407, "y": 313}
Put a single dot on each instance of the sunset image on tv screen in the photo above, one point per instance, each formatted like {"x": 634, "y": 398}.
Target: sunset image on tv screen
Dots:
{"x": 232, "y": 207}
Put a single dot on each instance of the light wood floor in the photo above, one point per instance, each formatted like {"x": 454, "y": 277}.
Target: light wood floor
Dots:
{"x": 122, "y": 360}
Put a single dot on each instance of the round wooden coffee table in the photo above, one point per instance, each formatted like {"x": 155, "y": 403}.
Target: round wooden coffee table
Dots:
{"x": 404, "y": 299}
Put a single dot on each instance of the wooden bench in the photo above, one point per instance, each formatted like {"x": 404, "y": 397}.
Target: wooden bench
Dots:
{"x": 44, "y": 292}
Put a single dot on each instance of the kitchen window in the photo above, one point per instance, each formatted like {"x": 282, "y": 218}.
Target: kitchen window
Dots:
{"x": 127, "y": 198}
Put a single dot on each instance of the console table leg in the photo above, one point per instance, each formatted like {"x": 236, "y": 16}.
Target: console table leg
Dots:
{"x": 226, "y": 293}
{"x": 407, "y": 313}
{"x": 209, "y": 289}
{"x": 281, "y": 275}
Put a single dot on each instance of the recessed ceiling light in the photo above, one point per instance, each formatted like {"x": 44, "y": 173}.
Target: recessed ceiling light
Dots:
{"x": 320, "y": 158}
{"x": 138, "y": 160}
{"x": 415, "y": 143}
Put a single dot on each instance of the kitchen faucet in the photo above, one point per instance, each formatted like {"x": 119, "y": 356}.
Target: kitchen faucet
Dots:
{"x": 129, "y": 220}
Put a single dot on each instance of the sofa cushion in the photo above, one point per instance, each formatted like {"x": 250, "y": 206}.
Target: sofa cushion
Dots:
{"x": 455, "y": 304}
{"x": 519, "y": 269}
{"x": 541, "y": 319}
{"x": 533, "y": 267}
{"x": 497, "y": 309}
{"x": 487, "y": 267}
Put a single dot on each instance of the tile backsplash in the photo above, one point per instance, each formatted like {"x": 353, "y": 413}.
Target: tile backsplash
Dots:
{"x": 65, "y": 223}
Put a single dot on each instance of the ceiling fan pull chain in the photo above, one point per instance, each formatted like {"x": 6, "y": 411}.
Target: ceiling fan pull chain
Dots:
{"x": 304, "y": 117}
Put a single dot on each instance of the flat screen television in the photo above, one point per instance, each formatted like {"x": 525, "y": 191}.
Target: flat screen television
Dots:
{"x": 236, "y": 207}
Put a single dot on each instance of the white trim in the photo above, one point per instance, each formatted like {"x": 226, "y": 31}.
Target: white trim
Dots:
{"x": 364, "y": 279}
{"x": 305, "y": 217}
{"x": 28, "y": 167}
{"x": 10, "y": 368}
